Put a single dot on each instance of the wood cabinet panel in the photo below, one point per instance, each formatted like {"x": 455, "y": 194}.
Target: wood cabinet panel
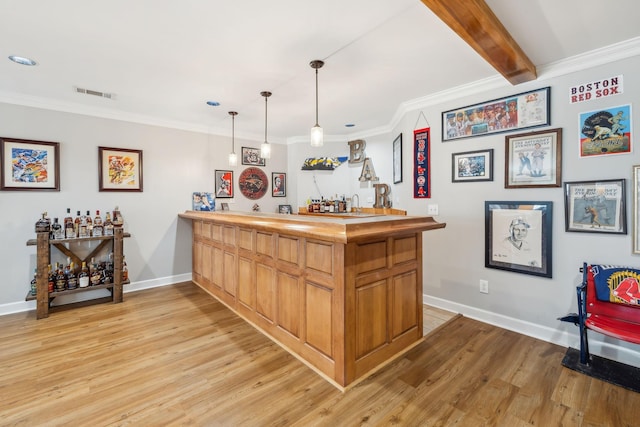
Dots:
{"x": 319, "y": 322}
{"x": 404, "y": 303}
{"x": 206, "y": 261}
{"x": 216, "y": 232}
{"x": 371, "y": 256}
{"x": 206, "y": 230}
{"x": 266, "y": 291}
{"x": 404, "y": 249}
{"x": 288, "y": 303}
{"x": 246, "y": 282}
{"x": 371, "y": 318}
{"x": 319, "y": 256}
{"x": 288, "y": 249}
{"x": 218, "y": 267}
{"x": 245, "y": 239}
{"x": 229, "y": 235}
{"x": 264, "y": 244}
{"x": 229, "y": 283}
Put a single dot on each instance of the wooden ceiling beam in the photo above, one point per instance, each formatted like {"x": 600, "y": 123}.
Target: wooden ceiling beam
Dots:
{"x": 476, "y": 23}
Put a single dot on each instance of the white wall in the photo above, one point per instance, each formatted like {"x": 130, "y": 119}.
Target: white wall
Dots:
{"x": 175, "y": 164}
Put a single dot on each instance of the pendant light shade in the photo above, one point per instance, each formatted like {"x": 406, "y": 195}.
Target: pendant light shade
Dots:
{"x": 265, "y": 148}
{"x": 317, "y": 134}
{"x": 233, "y": 157}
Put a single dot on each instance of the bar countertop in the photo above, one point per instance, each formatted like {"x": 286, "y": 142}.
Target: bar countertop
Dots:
{"x": 341, "y": 228}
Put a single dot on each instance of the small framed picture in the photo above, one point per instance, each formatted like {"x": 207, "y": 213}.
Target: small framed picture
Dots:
{"x": 29, "y": 165}
{"x": 119, "y": 169}
{"x": 518, "y": 237}
{"x": 224, "y": 206}
{"x": 636, "y": 209}
{"x": 606, "y": 132}
{"x": 251, "y": 156}
{"x": 397, "y": 159}
{"x": 533, "y": 159}
{"x": 472, "y": 166}
{"x": 278, "y": 184}
{"x": 224, "y": 184}
{"x": 202, "y": 201}
{"x": 595, "y": 206}
{"x": 284, "y": 209}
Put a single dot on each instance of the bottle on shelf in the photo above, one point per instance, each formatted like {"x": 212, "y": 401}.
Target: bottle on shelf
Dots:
{"x": 94, "y": 273}
{"x": 83, "y": 276}
{"x": 69, "y": 229}
{"x": 116, "y": 218}
{"x": 61, "y": 280}
{"x": 83, "y": 231}
{"x": 43, "y": 224}
{"x": 108, "y": 270}
{"x": 72, "y": 278}
{"x": 34, "y": 283}
{"x": 76, "y": 223}
{"x": 97, "y": 226}
{"x": 89, "y": 223}
{"x": 56, "y": 230}
{"x": 125, "y": 270}
{"x": 52, "y": 278}
{"x": 108, "y": 224}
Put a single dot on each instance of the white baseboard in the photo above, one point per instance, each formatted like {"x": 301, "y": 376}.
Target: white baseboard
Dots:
{"x": 20, "y": 306}
{"x": 599, "y": 344}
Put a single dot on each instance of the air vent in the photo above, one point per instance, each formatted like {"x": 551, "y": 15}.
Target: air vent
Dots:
{"x": 95, "y": 93}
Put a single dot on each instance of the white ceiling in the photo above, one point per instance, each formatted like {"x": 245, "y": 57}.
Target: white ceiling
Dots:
{"x": 163, "y": 59}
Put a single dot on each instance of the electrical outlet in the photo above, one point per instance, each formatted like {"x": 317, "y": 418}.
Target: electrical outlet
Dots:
{"x": 484, "y": 286}
{"x": 432, "y": 209}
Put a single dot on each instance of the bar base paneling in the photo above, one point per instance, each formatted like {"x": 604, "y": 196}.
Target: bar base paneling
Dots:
{"x": 344, "y": 295}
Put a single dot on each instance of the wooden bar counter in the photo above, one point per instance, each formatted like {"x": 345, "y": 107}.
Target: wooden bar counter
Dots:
{"x": 343, "y": 293}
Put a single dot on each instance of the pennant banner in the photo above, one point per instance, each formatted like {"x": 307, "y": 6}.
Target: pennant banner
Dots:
{"x": 421, "y": 167}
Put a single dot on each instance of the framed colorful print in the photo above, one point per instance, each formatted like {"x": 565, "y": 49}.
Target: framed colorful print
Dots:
{"x": 29, "y": 165}
{"x": 533, "y": 159}
{"x": 636, "y": 209}
{"x": 224, "y": 184}
{"x": 521, "y": 111}
{"x": 397, "y": 159}
{"x": 253, "y": 183}
{"x": 595, "y": 206}
{"x": 251, "y": 156}
{"x": 284, "y": 209}
{"x": 518, "y": 237}
{"x": 605, "y": 132}
{"x": 202, "y": 201}
{"x": 472, "y": 166}
{"x": 278, "y": 184}
{"x": 119, "y": 169}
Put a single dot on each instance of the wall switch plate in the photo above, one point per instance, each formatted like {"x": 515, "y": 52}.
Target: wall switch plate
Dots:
{"x": 484, "y": 286}
{"x": 432, "y": 209}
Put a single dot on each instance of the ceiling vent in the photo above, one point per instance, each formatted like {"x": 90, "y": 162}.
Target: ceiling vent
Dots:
{"x": 94, "y": 93}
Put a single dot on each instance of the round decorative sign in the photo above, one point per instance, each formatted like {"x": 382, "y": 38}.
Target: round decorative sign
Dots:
{"x": 253, "y": 183}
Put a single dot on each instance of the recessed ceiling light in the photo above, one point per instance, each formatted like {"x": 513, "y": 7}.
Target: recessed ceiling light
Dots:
{"x": 349, "y": 125}
{"x": 213, "y": 103}
{"x": 22, "y": 60}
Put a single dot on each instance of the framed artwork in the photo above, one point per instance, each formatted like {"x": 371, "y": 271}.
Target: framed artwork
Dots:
{"x": 119, "y": 169}
{"x": 253, "y": 183}
{"x": 518, "y": 237}
{"x": 203, "y": 202}
{"x": 278, "y": 184}
{"x": 605, "y": 132}
{"x": 521, "y": 111}
{"x": 251, "y": 156}
{"x": 29, "y": 165}
{"x": 422, "y": 163}
{"x": 595, "y": 206}
{"x": 472, "y": 166}
{"x": 224, "y": 206}
{"x": 284, "y": 209}
{"x": 224, "y": 184}
{"x": 533, "y": 159}
{"x": 636, "y": 209}
{"x": 397, "y": 159}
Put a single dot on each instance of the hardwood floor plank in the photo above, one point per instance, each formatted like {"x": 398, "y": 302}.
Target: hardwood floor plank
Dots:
{"x": 175, "y": 356}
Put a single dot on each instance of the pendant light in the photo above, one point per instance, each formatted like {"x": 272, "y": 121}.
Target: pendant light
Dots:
{"x": 265, "y": 148}
{"x": 317, "y": 138}
{"x": 233, "y": 157}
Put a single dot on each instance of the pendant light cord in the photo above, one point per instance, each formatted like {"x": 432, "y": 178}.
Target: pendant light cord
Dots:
{"x": 317, "y": 97}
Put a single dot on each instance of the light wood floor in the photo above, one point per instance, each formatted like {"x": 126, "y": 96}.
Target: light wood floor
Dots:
{"x": 175, "y": 356}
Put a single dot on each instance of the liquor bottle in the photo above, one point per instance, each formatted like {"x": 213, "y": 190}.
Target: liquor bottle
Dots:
{"x": 116, "y": 218}
{"x": 84, "y": 228}
{"x": 89, "y": 222}
{"x": 97, "y": 225}
{"x": 52, "y": 278}
{"x": 83, "y": 276}
{"x": 76, "y": 223}
{"x": 108, "y": 225}
{"x": 42, "y": 224}
{"x": 94, "y": 273}
{"x": 72, "y": 278}
{"x": 57, "y": 230}
{"x": 125, "y": 270}
{"x": 69, "y": 229}
{"x": 34, "y": 283}
{"x": 108, "y": 270}
{"x": 61, "y": 279}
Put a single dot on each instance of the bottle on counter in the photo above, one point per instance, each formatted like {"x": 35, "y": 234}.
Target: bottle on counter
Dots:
{"x": 83, "y": 276}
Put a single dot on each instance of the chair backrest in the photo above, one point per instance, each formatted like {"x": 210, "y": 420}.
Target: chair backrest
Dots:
{"x": 613, "y": 291}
